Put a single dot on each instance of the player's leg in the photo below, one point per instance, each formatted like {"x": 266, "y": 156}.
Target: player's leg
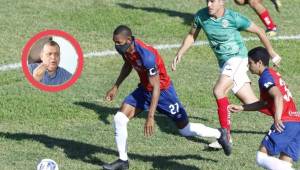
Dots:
{"x": 277, "y": 4}
{"x": 246, "y": 94}
{"x": 132, "y": 105}
{"x": 286, "y": 158}
{"x": 269, "y": 162}
{"x": 121, "y": 120}
{"x": 264, "y": 15}
{"x": 221, "y": 88}
{"x": 237, "y": 68}
{"x": 170, "y": 105}
{"x": 240, "y": 2}
{"x": 285, "y": 143}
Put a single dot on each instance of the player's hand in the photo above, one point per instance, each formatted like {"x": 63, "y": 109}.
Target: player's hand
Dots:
{"x": 176, "y": 60}
{"x": 279, "y": 126}
{"x": 111, "y": 94}
{"x": 235, "y": 108}
{"x": 149, "y": 127}
{"x": 276, "y": 59}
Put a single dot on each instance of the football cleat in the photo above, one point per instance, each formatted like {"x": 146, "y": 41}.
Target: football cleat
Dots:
{"x": 216, "y": 145}
{"x": 117, "y": 165}
{"x": 271, "y": 33}
{"x": 224, "y": 140}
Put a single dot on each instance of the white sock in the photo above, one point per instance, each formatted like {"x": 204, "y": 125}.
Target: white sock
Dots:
{"x": 120, "y": 124}
{"x": 198, "y": 129}
{"x": 272, "y": 163}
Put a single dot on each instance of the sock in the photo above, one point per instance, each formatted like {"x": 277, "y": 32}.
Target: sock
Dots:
{"x": 269, "y": 162}
{"x": 267, "y": 20}
{"x": 198, "y": 129}
{"x": 120, "y": 124}
{"x": 224, "y": 114}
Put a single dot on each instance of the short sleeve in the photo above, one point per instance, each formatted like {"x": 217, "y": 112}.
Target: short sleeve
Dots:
{"x": 147, "y": 57}
{"x": 266, "y": 82}
{"x": 149, "y": 61}
{"x": 196, "y": 24}
{"x": 242, "y": 22}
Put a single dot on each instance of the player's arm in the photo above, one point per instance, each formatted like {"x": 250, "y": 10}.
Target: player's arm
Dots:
{"x": 125, "y": 71}
{"x": 253, "y": 28}
{"x": 247, "y": 107}
{"x": 278, "y": 102}
{"x": 186, "y": 44}
{"x": 155, "y": 82}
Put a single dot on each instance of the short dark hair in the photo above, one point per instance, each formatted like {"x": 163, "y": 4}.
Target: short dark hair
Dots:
{"x": 52, "y": 43}
{"x": 124, "y": 30}
{"x": 259, "y": 54}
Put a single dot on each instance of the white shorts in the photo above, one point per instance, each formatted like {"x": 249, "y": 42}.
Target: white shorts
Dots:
{"x": 236, "y": 68}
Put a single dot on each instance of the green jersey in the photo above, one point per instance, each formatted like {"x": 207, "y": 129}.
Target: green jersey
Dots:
{"x": 223, "y": 33}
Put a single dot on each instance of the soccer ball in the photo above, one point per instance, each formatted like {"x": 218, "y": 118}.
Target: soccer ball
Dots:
{"x": 47, "y": 164}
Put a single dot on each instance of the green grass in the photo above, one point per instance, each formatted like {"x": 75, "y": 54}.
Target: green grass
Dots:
{"x": 74, "y": 127}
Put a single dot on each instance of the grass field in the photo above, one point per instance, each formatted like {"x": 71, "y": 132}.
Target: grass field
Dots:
{"x": 74, "y": 127}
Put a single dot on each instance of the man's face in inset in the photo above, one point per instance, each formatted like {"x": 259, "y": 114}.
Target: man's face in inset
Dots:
{"x": 50, "y": 56}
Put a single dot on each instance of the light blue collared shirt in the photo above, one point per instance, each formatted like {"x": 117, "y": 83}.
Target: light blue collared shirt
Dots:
{"x": 61, "y": 75}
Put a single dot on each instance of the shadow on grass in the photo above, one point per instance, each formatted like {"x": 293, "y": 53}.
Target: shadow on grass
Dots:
{"x": 85, "y": 152}
{"x": 164, "y": 123}
{"x": 249, "y": 132}
{"x": 186, "y": 17}
{"x": 102, "y": 111}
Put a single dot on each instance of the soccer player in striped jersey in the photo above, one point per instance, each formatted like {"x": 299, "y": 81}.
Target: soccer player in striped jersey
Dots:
{"x": 154, "y": 92}
{"x": 276, "y": 100}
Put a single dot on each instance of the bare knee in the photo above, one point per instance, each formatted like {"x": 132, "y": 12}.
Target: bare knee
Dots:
{"x": 128, "y": 110}
{"x": 240, "y": 2}
{"x": 218, "y": 92}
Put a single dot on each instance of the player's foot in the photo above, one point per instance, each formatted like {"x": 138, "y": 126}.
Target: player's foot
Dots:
{"x": 277, "y": 4}
{"x": 117, "y": 165}
{"x": 271, "y": 32}
{"x": 224, "y": 140}
{"x": 216, "y": 145}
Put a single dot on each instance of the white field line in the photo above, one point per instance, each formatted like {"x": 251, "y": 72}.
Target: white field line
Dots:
{"x": 13, "y": 66}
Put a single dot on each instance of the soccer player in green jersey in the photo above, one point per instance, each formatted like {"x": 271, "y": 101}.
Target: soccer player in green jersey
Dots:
{"x": 222, "y": 28}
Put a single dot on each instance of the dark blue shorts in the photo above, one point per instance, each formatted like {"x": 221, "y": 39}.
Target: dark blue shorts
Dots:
{"x": 287, "y": 142}
{"x": 168, "y": 102}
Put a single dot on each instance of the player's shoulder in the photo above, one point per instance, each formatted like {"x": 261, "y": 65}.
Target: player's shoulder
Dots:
{"x": 146, "y": 52}
{"x": 266, "y": 79}
{"x": 265, "y": 74}
{"x": 140, "y": 45}
{"x": 202, "y": 11}
{"x": 231, "y": 13}
{"x": 202, "y": 14}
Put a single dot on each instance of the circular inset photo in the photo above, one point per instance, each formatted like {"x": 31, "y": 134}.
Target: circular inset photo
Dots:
{"x": 52, "y": 60}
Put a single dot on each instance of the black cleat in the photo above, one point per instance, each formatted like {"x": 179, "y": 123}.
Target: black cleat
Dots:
{"x": 277, "y": 4}
{"x": 117, "y": 165}
{"x": 224, "y": 141}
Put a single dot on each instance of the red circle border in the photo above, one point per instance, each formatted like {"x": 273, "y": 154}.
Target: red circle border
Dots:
{"x": 26, "y": 51}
